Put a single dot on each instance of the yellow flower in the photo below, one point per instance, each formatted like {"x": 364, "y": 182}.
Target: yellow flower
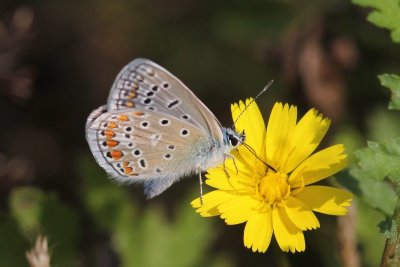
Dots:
{"x": 276, "y": 199}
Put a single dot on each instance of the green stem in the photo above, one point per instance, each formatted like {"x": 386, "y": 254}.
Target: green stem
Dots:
{"x": 391, "y": 253}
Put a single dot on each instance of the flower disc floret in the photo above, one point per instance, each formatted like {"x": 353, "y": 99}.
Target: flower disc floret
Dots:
{"x": 273, "y": 187}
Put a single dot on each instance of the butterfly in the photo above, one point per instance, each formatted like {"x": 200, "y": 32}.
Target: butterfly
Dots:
{"x": 155, "y": 131}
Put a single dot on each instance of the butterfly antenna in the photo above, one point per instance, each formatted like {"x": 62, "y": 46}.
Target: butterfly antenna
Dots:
{"x": 255, "y": 155}
{"x": 254, "y": 99}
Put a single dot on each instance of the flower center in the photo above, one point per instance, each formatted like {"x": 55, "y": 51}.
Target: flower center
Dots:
{"x": 273, "y": 187}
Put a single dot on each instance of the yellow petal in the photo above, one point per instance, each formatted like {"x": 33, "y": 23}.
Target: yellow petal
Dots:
{"x": 237, "y": 179}
{"x": 210, "y": 202}
{"x": 237, "y": 210}
{"x": 324, "y": 199}
{"x": 281, "y": 125}
{"x": 252, "y": 122}
{"x": 288, "y": 235}
{"x": 319, "y": 166}
{"x": 300, "y": 214}
{"x": 245, "y": 157}
{"x": 258, "y": 230}
{"x": 247, "y": 163}
{"x": 307, "y": 135}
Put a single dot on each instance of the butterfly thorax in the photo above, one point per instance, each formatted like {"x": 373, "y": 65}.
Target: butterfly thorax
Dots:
{"x": 217, "y": 150}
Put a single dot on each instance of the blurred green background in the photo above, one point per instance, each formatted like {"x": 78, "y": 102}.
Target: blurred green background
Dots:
{"x": 58, "y": 60}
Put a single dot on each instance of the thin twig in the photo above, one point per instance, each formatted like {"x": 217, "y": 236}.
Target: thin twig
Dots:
{"x": 391, "y": 253}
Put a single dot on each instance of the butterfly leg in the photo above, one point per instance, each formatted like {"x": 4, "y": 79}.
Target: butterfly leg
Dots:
{"x": 234, "y": 163}
{"x": 201, "y": 187}
{"x": 225, "y": 169}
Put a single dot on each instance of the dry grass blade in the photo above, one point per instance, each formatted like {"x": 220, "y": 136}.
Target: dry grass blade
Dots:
{"x": 39, "y": 256}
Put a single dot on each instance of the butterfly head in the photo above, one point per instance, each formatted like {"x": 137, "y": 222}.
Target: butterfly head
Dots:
{"x": 232, "y": 138}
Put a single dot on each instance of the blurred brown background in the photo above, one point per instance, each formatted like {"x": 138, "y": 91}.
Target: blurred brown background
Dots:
{"x": 58, "y": 60}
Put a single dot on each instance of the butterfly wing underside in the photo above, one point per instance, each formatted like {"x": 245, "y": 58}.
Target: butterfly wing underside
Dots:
{"x": 151, "y": 128}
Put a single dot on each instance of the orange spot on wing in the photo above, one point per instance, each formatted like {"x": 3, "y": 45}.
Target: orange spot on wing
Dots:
{"x": 125, "y": 164}
{"x": 132, "y": 94}
{"x": 123, "y": 117}
{"x": 138, "y": 113}
{"x": 129, "y": 104}
{"x": 128, "y": 170}
{"x": 112, "y": 143}
{"x": 116, "y": 154}
{"x": 111, "y": 125}
{"x": 109, "y": 134}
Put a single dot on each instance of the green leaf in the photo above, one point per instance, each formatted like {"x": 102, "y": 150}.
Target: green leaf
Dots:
{"x": 379, "y": 161}
{"x": 392, "y": 82}
{"x": 376, "y": 194}
{"x": 388, "y": 227}
{"x": 26, "y": 206}
{"x": 373, "y": 167}
{"x": 386, "y": 14}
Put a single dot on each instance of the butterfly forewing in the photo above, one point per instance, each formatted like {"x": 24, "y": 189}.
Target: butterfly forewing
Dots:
{"x": 143, "y": 84}
{"x": 139, "y": 145}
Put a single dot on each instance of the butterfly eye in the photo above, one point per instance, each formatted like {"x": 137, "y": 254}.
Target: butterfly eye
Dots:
{"x": 233, "y": 140}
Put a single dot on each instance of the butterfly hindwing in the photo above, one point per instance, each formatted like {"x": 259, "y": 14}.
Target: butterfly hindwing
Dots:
{"x": 155, "y": 187}
{"x": 135, "y": 145}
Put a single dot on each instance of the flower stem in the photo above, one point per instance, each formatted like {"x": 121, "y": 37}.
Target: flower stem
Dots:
{"x": 391, "y": 253}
